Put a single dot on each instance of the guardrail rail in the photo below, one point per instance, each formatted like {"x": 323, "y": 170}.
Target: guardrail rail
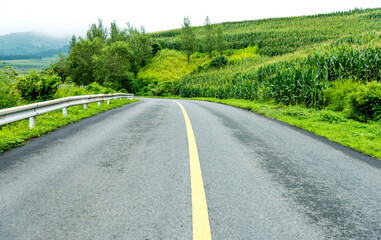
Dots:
{"x": 30, "y": 111}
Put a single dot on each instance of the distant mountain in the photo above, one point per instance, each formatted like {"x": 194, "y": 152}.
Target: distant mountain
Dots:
{"x": 31, "y": 45}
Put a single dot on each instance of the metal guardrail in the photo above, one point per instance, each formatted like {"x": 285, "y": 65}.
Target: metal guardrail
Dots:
{"x": 14, "y": 114}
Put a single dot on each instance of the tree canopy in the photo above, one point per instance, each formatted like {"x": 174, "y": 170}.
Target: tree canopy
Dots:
{"x": 188, "y": 38}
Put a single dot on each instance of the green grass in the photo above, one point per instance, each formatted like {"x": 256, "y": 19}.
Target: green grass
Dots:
{"x": 24, "y": 66}
{"x": 18, "y": 133}
{"x": 362, "y": 137}
{"x": 170, "y": 65}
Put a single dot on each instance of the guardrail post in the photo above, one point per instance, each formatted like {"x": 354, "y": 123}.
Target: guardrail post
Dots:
{"x": 85, "y": 106}
{"x": 64, "y": 112}
{"x": 32, "y": 122}
{"x": 99, "y": 104}
{"x": 108, "y": 102}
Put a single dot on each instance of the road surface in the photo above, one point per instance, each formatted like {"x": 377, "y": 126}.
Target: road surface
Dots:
{"x": 125, "y": 174}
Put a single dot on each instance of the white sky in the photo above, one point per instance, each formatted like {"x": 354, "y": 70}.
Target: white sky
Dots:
{"x": 67, "y": 17}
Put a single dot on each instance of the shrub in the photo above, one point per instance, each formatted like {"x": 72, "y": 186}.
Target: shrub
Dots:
{"x": 95, "y": 88}
{"x": 156, "y": 47}
{"x": 9, "y": 96}
{"x": 331, "y": 117}
{"x": 337, "y": 93}
{"x": 365, "y": 103}
{"x": 34, "y": 87}
{"x": 68, "y": 90}
{"x": 218, "y": 62}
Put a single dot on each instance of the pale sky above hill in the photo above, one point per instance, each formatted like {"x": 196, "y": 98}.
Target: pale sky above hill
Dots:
{"x": 68, "y": 17}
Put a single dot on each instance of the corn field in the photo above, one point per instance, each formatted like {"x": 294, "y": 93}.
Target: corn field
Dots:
{"x": 302, "y": 80}
{"x": 285, "y": 35}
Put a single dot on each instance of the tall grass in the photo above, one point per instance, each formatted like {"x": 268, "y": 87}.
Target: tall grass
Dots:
{"x": 302, "y": 80}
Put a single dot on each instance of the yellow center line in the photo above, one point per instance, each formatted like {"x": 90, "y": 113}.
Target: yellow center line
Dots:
{"x": 200, "y": 217}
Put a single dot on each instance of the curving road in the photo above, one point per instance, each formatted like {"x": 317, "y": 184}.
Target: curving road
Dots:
{"x": 125, "y": 174}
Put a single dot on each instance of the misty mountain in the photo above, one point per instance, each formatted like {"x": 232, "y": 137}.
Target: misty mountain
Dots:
{"x": 31, "y": 45}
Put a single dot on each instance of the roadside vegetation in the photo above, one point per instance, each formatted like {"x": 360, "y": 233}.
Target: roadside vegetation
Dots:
{"x": 18, "y": 133}
{"x": 364, "y": 137}
{"x": 321, "y": 73}
{"x": 20, "y": 90}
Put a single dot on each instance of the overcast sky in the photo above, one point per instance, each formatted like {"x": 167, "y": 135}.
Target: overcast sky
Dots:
{"x": 69, "y": 17}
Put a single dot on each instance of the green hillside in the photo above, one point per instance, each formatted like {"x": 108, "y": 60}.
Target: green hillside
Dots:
{"x": 278, "y": 36}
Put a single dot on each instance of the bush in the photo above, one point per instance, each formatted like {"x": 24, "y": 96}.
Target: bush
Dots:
{"x": 337, "y": 93}
{"x": 9, "y": 96}
{"x": 34, "y": 87}
{"x": 218, "y": 62}
{"x": 365, "y": 103}
{"x": 95, "y": 88}
{"x": 67, "y": 90}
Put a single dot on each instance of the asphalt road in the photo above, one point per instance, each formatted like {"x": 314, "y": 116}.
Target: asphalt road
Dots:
{"x": 124, "y": 174}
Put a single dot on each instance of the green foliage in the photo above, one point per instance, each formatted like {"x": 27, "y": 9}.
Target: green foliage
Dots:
{"x": 278, "y": 36}
{"x": 239, "y": 55}
{"x": 58, "y": 67}
{"x": 79, "y": 63}
{"x": 209, "y": 41}
{"x": 68, "y": 90}
{"x": 170, "y": 65}
{"x": 156, "y": 47}
{"x": 300, "y": 80}
{"x": 363, "y": 137}
{"x": 337, "y": 93}
{"x": 9, "y": 95}
{"x": 365, "y": 103}
{"x": 109, "y": 61}
{"x": 220, "y": 41}
{"x": 73, "y": 41}
{"x": 97, "y": 31}
{"x": 188, "y": 38}
{"x": 112, "y": 66}
{"x": 331, "y": 117}
{"x": 117, "y": 34}
{"x": 95, "y": 88}
{"x": 17, "y": 133}
{"x": 34, "y": 87}
{"x": 141, "y": 49}
{"x": 218, "y": 62}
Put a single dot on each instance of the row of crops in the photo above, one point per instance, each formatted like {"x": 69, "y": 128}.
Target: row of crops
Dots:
{"x": 285, "y": 35}
{"x": 302, "y": 80}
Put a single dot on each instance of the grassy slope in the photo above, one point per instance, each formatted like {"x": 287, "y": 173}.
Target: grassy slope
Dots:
{"x": 298, "y": 37}
{"x": 284, "y": 35}
{"x": 170, "y": 65}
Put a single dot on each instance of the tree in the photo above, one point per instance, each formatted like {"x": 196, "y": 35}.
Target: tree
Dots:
{"x": 116, "y": 34}
{"x": 188, "y": 38}
{"x": 220, "y": 40}
{"x": 97, "y": 31}
{"x": 72, "y": 43}
{"x": 79, "y": 63}
{"x": 112, "y": 66}
{"x": 156, "y": 47}
{"x": 141, "y": 48}
{"x": 59, "y": 66}
{"x": 209, "y": 37}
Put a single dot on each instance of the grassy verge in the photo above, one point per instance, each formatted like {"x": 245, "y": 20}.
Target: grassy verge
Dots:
{"x": 18, "y": 133}
{"x": 362, "y": 137}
